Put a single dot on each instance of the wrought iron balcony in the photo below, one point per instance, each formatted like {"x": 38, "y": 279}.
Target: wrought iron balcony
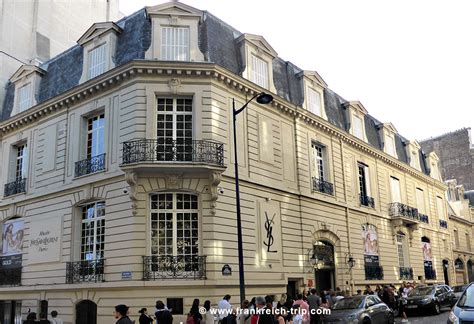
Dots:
{"x": 15, "y": 187}
{"x": 430, "y": 273}
{"x": 90, "y": 165}
{"x": 406, "y": 273}
{"x": 10, "y": 276}
{"x": 191, "y": 151}
{"x": 367, "y": 201}
{"x": 373, "y": 273}
{"x": 174, "y": 267}
{"x": 424, "y": 218}
{"x": 85, "y": 271}
{"x": 443, "y": 223}
{"x": 396, "y": 210}
{"x": 323, "y": 186}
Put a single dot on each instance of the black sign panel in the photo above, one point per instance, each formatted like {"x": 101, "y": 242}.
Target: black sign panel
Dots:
{"x": 10, "y": 261}
{"x": 371, "y": 260}
{"x": 226, "y": 270}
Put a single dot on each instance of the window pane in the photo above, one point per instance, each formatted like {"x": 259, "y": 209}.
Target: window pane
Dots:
{"x": 175, "y": 43}
{"x": 260, "y": 72}
{"x": 24, "y": 97}
{"x": 357, "y": 127}
{"x": 93, "y": 231}
{"x": 97, "y": 61}
{"x": 314, "y": 102}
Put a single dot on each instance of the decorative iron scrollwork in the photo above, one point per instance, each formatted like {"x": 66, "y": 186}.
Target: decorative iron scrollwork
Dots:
{"x": 90, "y": 165}
{"x": 323, "y": 186}
{"x": 174, "y": 267}
{"x": 15, "y": 187}
{"x": 85, "y": 271}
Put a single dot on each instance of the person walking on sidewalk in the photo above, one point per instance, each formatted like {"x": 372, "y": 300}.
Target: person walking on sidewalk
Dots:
{"x": 121, "y": 314}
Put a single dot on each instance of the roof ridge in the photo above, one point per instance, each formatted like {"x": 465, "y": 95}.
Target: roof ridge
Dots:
{"x": 446, "y": 134}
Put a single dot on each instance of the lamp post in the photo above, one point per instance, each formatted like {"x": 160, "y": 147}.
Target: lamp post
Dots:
{"x": 262, "y": 98}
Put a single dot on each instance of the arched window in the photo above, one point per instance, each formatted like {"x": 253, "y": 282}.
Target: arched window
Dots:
{"x": 458, "y": 264}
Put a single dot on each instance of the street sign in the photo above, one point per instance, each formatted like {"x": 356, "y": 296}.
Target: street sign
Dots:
{"x": 127, "y": 275}
{"x": 226, "y": 270}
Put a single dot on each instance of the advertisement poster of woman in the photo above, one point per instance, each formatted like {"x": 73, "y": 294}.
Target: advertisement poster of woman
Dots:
{"x": 369, "y": 235}
{"x": 12, "y": 237}
{"x": 427, "y": 253}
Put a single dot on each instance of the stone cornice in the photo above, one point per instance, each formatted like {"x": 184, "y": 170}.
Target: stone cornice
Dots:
{"x": 111, "y": 79}
{"x": 461, "y": 220}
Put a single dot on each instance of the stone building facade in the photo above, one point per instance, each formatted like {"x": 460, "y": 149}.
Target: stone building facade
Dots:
{"x": 119, "y": 185}
{"x": 34, "y": 31}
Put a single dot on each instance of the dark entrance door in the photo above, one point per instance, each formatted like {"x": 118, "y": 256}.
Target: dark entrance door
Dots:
{"x": 445, "y": 271}
{"x": 470, "y": 274}
{"x": 86, "y": 312}
{"x": 325, "y": 279}
{"x": 291, "y": 289}
{"x": 324, "y": 267}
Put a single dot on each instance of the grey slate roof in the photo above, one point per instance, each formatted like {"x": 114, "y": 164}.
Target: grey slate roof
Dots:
{"x": 217, "y": 41}
{"x": 470, "y": 196}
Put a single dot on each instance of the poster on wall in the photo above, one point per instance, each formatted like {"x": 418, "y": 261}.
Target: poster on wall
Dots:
{"x": 371, "y": 245}
{"x": 45, "y": 240}
{"x": 12, "y": 243}
{"x": 427, "y": 253}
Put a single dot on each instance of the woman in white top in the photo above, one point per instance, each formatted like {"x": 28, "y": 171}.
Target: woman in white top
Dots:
{"x": 208, "y": 317}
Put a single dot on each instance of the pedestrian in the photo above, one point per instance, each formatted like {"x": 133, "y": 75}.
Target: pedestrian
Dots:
{"x": 144, "y": 317}
{"x": 252, "y": 303}
{"x": 282, "y": 300}
{"x": 244, "y": 316}
{"x": 224, "y": 309}
{"x": 368, "y": 290}
{"x": 324, "y": 302}
{"x": 121, "y": 314}
{"x": 44, "y": 319}
{"x": 163, "y": 315}
{"x": 264, "y": 315}
{"x": 297, "y": 317}
{"x": 31, "y": 319}
{"x": 314, "y": 302}
{"x": 304, "y": 307}
{"x": 55, "y": 319}
{"x": 359, "y": 292}
{"x": 281, "y": 316}
{"x": 194, "y": 316}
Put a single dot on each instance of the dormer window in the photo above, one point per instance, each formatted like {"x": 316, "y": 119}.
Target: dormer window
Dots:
{"x": 390, "y": 145}
{"x": 314, "y": 102}
{"x": 388, "y": 133}
{"x": 97, "y": 61}
{"x": 26, "y": 80}
{"x": 24, "y": 97}
{"x": 357, "y": 128}
{"x": 175, "y": 43}
{"x": 260, "y": 72}
{"x": 356, "y": 113}
{"x": 99, "y": 43}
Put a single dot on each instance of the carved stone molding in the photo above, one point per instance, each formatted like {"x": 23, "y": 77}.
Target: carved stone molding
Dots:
{"x": 132, "y": 179}
{"x": 215, "y": 178}
{"x": 174, "y": 181}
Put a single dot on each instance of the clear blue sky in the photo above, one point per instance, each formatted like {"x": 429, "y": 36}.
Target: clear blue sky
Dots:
{"x": 409, "y": 62}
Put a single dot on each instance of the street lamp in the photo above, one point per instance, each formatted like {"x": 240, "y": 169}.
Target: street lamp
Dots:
{"x": 262, "y": 98}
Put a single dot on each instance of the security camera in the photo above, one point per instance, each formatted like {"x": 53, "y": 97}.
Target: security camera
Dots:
{"x": 125, "y": 190}
{"x": 221, "y": 191}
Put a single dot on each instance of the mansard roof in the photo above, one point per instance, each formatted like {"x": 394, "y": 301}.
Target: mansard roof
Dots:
{"x": 218, "y": 41}
{"x": 97, "y": 30}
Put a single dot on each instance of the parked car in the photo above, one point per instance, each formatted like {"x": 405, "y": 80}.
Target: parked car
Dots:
{"x": 360, "y": 310}
{"x": 463, "y": 311}
{"x": 458, "y": 290}
{"x": 430, "y": 298}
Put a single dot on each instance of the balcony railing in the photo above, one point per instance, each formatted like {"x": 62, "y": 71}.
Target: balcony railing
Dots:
{"x": 373, "y": 273}
{"x": 430, "y": 273}
{"x": 367, "y": 201}
{"x": 151, "y": 150}
{"x": 406, "y": 273}
{"x": 15, "y": 187}
{"x": 10, "y": 276}
{"x": 323, "y": 186}
{"x": 424, "y": 218}
{"x": 402, "y": 210}
{"x": 85, "y": 271}
{"x": 443, "y": 223}
{"x": 174, "y": 267}
{"x": 90, "y": 165}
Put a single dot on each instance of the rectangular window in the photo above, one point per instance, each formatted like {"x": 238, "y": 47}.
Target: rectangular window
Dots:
{"x": 415, "y": 160}
{"x": 174, "y": 126}
{"x": 95, "y": 136}
{"x": 314, "y": 102}
{"x": 97, "y": 61}
{"x": 357, "y": 127}
{"x": 468, "y": 242}
{"x": 175, "y": 43}
{"x": 440, "y": 208}
{"x": 390, "y": 145}
{"x": 420, "y": 201}
{"x": 93, "y": 231}
{"x": 176, "y": 305}
{"x": 395, "y": 190}
{"x": 456, "y": 239}
{"x": 317, "y": 161}
{"x": 24, "y": 97}
{"x": 364, "y": 183}
{"x": 21, "y": 162}
{"x": 260, "y": 72}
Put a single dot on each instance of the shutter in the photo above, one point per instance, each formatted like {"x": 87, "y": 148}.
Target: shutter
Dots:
{"x": 395, "y": 186}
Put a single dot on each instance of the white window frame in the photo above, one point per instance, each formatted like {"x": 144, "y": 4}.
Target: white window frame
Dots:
{"x": 415, "y": 160}
{"x": 95, "y": 136}
{"x": 456, "y": 238}
{"x": 395, "y": 188}
{"x": 390, "y": 148}
{"x": 318, "y": 161}
{"x": 174, "y": 43}
{"x": 420, "y": 200}
{"x": 314, "y": 102}
{"x": 440, "y": 208}
{"x": 24, "y": 101}
{"x": 260, "y": 71}
{"x": 402, "y": 250}
{"x": 366, "y": 179}
{"x": 358, "y": 132}
{"x": 97, "y": 221}
{"x": 97, "y": 61}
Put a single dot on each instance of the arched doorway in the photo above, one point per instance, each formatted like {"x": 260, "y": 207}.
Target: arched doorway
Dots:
{"x": 86, "y": 312}
{"x": 459, "y": 267}
{"x": 470, "y": 274}
{"x": 445, "y": 271}
{"x": 324, "y": 268}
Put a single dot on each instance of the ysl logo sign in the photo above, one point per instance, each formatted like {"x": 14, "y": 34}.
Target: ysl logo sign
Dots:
{"x": 269, "y": 228}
